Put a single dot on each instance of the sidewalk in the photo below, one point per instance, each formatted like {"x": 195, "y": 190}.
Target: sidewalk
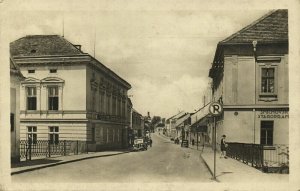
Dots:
{"x": 26, "y": 166}
{"x": 231, "y": 170}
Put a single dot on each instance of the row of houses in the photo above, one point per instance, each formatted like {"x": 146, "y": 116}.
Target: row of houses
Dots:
{"x": 250, "y": 78}
{"x": 58, "y": 92}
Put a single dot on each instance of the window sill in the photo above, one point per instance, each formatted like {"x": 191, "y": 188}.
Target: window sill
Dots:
{"x": 269, "y": 147}
{"x": 268, "y": 97}
{"x": 54, "y": 111}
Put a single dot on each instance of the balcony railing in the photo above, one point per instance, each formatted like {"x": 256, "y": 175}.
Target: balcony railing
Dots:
{"x": 273, "y": 158}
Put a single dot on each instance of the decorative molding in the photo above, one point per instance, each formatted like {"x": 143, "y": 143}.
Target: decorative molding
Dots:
{"x": 94, "y": 85}
{"x": 30, "y": 80}
{"x": 52, "y": 80}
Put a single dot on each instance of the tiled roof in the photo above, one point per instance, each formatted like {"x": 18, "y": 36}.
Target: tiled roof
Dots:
{"x": 272, "y": 27}
{"x": 42, "y": 45}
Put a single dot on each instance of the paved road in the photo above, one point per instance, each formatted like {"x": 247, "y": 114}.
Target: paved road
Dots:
{"x": 163, "y": 162}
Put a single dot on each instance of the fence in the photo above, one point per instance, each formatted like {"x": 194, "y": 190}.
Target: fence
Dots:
{"x": 44, "y": 148}
{"x": 273, "y": 158}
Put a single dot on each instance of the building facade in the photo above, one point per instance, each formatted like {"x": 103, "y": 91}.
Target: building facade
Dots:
{"x": 175, "y": 124}
{"x": 138, "y": 124}
{"x": 69, "y": 95}
{"x": 15, "y": 80}
{"x": 250, "y": 78}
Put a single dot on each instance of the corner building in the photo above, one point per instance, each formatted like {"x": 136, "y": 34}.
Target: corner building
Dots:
{"x": 69, "y": 95}
{"x": 250, "y": 77}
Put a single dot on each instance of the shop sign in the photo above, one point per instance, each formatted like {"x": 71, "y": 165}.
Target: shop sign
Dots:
{"x": 274, "y": 114}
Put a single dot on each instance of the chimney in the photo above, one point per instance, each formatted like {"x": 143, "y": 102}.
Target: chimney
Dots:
{"x": 78, "y": 46}
{"x": 148, "y": 114}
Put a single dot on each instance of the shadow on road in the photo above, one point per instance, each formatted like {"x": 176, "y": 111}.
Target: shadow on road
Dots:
{"x": 46, "y": 161}
{"x": 223, "y": 173}
{"x": 34, "y": 162}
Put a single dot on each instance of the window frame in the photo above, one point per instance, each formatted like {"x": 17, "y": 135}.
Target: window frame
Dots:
{"x": 93, "y": 133}
{"x": 268, "y": 63}
{"x": 29, "y": 97}
{"x": 53, "y": 135}
{"x": 53, "y": 70}
{"x": 32, "y": 130}
{"x": 267, "y": 130}
{"x": 12, "y": 122}
{"x": 51, "y": 104}
{"x": 268, "y": 78}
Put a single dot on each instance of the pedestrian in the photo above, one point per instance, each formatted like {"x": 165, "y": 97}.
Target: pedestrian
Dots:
{"x": 150, "y": 142}
{"x": 193, "y": 142}
{"x": 223, "y": 147}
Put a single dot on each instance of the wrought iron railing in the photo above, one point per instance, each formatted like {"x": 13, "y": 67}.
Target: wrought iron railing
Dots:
{"x": 266, "y": 158}
{"x": 45, "y": 148}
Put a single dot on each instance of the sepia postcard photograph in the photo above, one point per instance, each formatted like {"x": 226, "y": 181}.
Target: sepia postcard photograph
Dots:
{"x": 149, "y": 95}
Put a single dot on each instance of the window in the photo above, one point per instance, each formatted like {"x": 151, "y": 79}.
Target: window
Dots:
{"x": 268, "y": 80}
{"x": 32, "y": 134}
{"x": 12, "y": 122}
{"x": 123, "y": 109}
{"x": 53, "y": 98}
{"x": 31, "y": 98}
{"x": 31, "y": 71}
{"x": 93, "y": 101}
{"x": 101, "y": 102}
{"x": 93, "y": 133}
{"x": 53, "y": 135}
{"x": 119, "y": 107}
{"x": 108, "y": 105}
{"x": 266, "y": 132}
{"x": 107, "y": 141}
{"x": 114, "y": 104}
{"x": 53, "y": 70}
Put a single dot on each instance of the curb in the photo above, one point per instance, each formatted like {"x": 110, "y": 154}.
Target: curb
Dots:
{"x": 211, "y": 172}
{"x": 207, "y": 166}
{"x": 65, "y": 162}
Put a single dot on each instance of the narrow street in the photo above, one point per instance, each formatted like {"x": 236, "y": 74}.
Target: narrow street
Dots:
{"x": 163, "y": 162}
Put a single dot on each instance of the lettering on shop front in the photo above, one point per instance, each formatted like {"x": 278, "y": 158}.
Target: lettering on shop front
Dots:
{"x": 274, "y": 114}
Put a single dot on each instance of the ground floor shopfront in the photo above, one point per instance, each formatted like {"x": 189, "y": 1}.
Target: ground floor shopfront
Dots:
{"x": 266, "y": 126}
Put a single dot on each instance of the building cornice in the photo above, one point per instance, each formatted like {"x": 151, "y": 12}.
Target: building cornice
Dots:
{"x": 54, "y": 120}
{"x": 55, "y": 59}
{"x": 69, "y": 60}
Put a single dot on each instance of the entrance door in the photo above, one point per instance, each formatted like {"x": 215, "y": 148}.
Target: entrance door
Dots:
{"x": 266, "y": 132}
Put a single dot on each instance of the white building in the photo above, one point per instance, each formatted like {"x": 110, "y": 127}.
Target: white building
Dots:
{"x": 69, "y": 95}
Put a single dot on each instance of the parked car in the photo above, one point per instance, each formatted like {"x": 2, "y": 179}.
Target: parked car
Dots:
{"x": 139, "y": 145}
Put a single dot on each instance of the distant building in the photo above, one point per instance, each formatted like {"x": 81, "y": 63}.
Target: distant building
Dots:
{"x": 173, "y": 125}
{"x": 15, "y": 79}
{"x": 137, "y": 124}
{"x": 250, "y": 73}
{"x": 199, "y": 131}
{"x": 69, "y": 95}
{"x": 182, "y": 126}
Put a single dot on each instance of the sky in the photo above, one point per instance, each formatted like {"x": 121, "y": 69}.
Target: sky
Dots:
{"x": 165, "y": 54}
